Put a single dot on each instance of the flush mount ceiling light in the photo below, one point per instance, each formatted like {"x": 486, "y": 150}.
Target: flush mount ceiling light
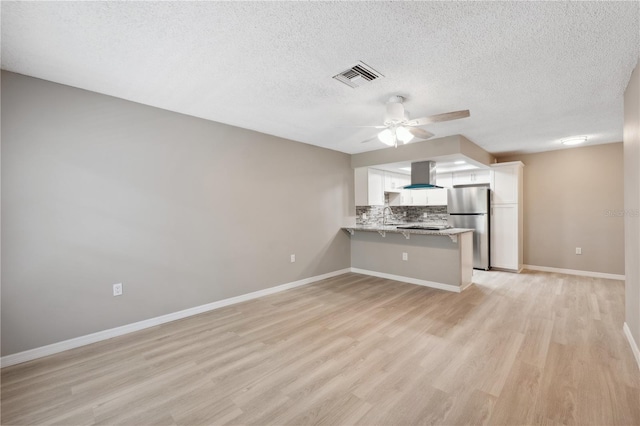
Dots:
{"x": 576, "y": 140}
{"x": 460, "y": 162}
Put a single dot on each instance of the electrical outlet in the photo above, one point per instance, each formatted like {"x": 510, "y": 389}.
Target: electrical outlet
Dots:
{"x": 117, "y": 289}
{"x": 425, "y": 215}
{"x": 405, "y": 256}
{"x": 364, "y": 216}
{"x": 578, "y": 250}
{"x": 293, "y": 258}
{"x": 404, "y": 214}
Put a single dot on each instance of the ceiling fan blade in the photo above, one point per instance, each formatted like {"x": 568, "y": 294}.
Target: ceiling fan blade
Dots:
{"x": 375, "y": 138}
{"x": 368, "y": 127}
{"x": 420, "y": 133}
{"x": 447, "y": 116}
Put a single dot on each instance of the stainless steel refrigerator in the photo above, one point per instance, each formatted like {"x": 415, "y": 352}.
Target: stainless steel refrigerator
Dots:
{"x": 470, "y": 208}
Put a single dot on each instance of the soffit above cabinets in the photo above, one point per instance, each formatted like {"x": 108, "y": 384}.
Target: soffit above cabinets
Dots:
{"x": 442, "y": 166}
{"x": 441, "y": 150}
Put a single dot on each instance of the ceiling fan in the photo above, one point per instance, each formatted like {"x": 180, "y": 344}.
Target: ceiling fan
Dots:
{"x": 398, "y": 127}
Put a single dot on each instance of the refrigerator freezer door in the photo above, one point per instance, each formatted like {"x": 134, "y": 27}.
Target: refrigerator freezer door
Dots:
{"x": 468, "y": 200}
{"x": 480, "y": 224}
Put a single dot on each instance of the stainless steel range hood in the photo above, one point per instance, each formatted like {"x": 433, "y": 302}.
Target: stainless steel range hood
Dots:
{"x": 423, "y": 175}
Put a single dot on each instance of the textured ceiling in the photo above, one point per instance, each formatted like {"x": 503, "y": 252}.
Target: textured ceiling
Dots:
{"x": 529, "y": 72}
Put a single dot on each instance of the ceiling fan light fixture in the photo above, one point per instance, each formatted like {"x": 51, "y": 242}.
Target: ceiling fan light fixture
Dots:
{"x": 404, "y": 134}
{"x": 398, "y": 127}
{"x": 387, "y": 137}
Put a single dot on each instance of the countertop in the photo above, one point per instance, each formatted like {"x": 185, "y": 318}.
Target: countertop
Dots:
{"x": 394, "y": 229}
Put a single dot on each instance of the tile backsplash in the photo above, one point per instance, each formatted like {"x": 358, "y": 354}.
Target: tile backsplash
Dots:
{"x": 402, "y": 214}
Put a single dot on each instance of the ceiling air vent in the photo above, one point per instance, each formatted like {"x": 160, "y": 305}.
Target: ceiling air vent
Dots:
{"x": 358, "y": 75}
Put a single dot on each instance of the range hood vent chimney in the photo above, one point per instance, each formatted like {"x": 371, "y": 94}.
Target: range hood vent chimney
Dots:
{"x": 423, "y": 175}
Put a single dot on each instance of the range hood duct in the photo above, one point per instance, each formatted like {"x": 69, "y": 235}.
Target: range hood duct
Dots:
{"x": 423, "y": 175}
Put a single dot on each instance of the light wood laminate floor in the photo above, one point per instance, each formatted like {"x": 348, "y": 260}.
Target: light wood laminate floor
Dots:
{"x": 533, "y": 348}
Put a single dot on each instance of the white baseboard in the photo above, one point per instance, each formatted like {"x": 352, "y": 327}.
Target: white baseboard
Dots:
{"x": 416, "y": 281}
{"x": 575, "y": 272}
{"x": 632, "y": 343}
{"x": 515, "y": 271}
{"x": 55, "y": 348}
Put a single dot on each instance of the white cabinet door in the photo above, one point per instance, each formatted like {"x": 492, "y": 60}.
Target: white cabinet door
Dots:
{"x": 444, "y": 180}
{"x": 402, "y": 181}
{"x": 423, "y": 197}
{"x": 436, "y": 197}
{"x": 419, "y": 197}
{"x": 507, "y": 183}
{"x": 361, "y": 186}
{"x": 413, "y": 197}
{"x": 369, "y": 187}
{"x": 388, "y": 182}
{"x": 461, "y": 178}
{"x": 482, "y": 176}
{"x": 472, "y": 177}
{"x": 405, "y": 197}
{"x": 376, "y": 187}
{"x": 505, "y": 237}
{"x": 393, "y": 182}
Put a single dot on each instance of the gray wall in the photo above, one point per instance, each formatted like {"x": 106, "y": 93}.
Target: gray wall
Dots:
{"x": 574, "y": 198}
{"x": 97, "y": 190}
{"x": 432, "y": 258}
{"x": 632, "y": 202}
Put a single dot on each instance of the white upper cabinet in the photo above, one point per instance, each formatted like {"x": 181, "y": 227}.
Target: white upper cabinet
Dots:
{"x": 472, "y": 177}
{"x": 405, "y": 197}
{"x": 376, "y": 187}
{"x": 390, "y": 182}
{"x": 401, "y": 181}
{"x": 423, "y": 197}
{"x": 393, "y": 182}
{"x": 507, "y": 182}
{"x": 411, "y": 197}
{"x": 369, "y": 187}
{"x": 419, "y": 197}
{"x": 444, "y": 180}
{"x": 436, "y": 197}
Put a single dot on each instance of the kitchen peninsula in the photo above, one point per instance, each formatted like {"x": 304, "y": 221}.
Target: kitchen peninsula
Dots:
{"x": 441, "y": 259}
